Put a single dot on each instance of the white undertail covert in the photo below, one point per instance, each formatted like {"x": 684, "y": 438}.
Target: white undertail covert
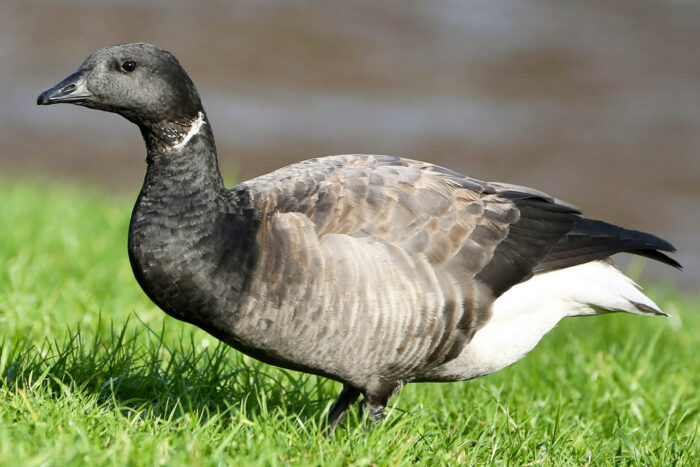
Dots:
{"x": 529, "y": 310}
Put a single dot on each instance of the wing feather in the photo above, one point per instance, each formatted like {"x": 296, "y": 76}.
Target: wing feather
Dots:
{"x": 414, "y": 254}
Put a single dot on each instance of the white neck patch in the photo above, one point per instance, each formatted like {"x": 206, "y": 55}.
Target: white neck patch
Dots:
{"x": 194, "y": 129}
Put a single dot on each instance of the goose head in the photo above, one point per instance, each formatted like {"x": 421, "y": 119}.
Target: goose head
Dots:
{"x": 139, "y": 81}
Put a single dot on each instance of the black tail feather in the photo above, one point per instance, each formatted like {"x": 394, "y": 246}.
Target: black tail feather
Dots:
{"x": 590, "y": 240}
{"x": 658, "y": 256}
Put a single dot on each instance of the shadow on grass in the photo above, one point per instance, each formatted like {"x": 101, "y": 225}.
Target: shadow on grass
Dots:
{"x": 139, "y": 372}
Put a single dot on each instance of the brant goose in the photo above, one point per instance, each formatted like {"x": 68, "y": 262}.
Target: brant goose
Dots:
{"x": 374, "y": 271}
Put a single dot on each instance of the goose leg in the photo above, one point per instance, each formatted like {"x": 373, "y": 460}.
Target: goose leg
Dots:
{"x": 375, "y": 411}
{"x": 347, "y": 397}
{"x": 374, "y": 404}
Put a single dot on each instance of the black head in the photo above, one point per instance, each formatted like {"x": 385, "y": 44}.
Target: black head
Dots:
{"x": 140, "y": 81}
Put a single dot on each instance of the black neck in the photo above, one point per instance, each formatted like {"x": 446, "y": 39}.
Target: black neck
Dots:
{"x": 178, "y": 167}
{"x": 190, "y": 239}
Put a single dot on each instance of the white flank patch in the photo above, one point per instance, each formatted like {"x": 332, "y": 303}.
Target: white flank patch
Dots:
{"x": 529, "y": 310}
{"x": 194, "y": 129}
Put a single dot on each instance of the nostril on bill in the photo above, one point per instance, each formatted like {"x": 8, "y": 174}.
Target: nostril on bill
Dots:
{"x": 69, "y": 88}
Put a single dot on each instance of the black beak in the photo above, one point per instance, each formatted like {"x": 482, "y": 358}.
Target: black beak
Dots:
{"x": 72, "y": 90}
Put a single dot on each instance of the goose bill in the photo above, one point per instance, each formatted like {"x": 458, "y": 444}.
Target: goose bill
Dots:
{"x": 73, "y": 89}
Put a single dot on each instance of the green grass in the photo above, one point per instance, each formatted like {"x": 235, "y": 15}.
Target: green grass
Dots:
{"x": 92, "y": 373}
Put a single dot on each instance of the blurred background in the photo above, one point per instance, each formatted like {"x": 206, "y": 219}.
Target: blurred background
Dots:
{"x": 595, "y": 102}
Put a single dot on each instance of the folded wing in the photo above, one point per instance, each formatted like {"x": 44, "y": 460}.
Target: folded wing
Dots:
{"x": 410, "y": 256}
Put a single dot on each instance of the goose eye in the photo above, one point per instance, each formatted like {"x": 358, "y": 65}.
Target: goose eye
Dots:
{"x": 129, "y": 66}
